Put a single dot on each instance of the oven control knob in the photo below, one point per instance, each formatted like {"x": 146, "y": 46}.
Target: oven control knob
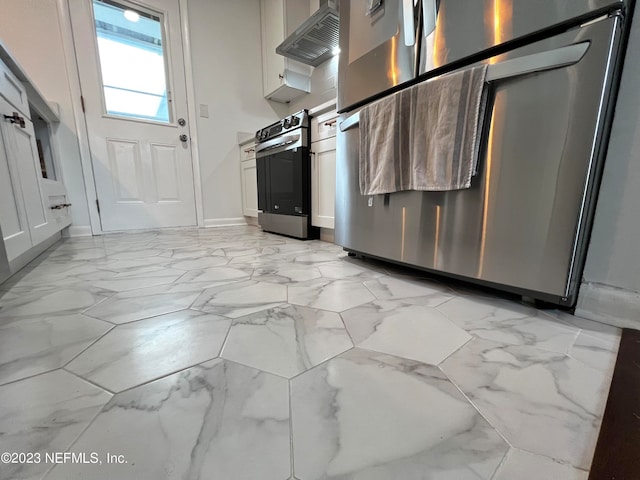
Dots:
{"x": 286, "y": 123}
{"x": 295, "y": 121}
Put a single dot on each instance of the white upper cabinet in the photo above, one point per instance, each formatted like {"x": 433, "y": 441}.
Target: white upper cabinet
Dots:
{"x": 283, "y": 79}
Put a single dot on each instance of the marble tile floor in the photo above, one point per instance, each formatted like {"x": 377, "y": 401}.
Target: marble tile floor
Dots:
{"x": 233, "y": 354}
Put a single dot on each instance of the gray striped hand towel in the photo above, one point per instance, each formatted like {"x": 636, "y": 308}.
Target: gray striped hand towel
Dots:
{"x": 425, "y": 137}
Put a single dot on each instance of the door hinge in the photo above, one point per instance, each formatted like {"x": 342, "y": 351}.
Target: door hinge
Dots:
{"x": 98, "y": 205}
{"x": 82, "y": 103}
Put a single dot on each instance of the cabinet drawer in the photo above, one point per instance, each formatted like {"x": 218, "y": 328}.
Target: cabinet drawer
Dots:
{"x": 13, "y": 91}
{"x": 247, "y": 152}
{"x": 324, "y": 126}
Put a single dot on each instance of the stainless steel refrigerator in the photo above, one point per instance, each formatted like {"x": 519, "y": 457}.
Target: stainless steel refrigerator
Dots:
{"x": 554, "y": 65}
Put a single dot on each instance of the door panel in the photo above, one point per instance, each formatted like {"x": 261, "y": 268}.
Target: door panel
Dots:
{"x": 13, "y": 217}
{"x": 167, "y": 174}
{"x": 323, "y": 183}
{"x": 29, "y": 171}
{"x": 376, "y": 57}
{"x": 249, "y": 188}
{"x": 374, "y": 62}
{"x": 126, "y": 170}
{"x": 143, "y": 171}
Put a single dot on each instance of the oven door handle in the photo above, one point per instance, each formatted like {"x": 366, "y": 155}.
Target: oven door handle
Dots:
{"x": 277, "y": 142}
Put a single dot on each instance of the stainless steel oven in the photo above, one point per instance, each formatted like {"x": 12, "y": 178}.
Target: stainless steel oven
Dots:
{"x": 283, "y": 166}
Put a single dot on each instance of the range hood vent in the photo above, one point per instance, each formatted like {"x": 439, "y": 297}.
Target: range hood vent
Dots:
{"x": 314, "y": 41}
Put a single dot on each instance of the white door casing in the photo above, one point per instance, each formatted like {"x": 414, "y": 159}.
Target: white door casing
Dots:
{"x": 143, "y": 173}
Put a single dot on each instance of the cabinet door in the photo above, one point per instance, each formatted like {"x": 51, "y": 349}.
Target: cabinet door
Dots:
{"x": 13, "y": 217}
{"x": 272, "y": 23}
{"x": 323, "y": 183}
{"x": 249, "y": 188}
{"x": 20, "y": 146}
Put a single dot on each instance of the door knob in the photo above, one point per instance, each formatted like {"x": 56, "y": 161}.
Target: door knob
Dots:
{"x": 183, "y": 138}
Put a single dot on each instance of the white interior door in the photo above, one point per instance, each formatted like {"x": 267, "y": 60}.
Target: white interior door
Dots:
{"x": 132, "y": 76}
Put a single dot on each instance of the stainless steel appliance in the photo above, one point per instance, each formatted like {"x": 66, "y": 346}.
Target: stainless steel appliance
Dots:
{"x": 553, "y": 68}
{"x": 313, "y": 42}
{"x": 283, "y": 164}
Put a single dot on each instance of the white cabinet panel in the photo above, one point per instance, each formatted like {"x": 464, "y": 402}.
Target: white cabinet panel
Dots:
{"x": 249, "y": 188}
{"x": 29, "y": 170}
{"x": 13, "y": 90}
{"x": 13, "y": 217}
{"x": 323, "y": 183}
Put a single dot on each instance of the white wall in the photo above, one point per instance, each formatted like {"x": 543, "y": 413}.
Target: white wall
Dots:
{"x": 611, "y": 282}
{"x": 226, "y": 53}
{"x": 324, "y": 81}
{"x": 30, "y": 29}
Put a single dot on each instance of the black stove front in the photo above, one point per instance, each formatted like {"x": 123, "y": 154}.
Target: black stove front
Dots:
{"x": 283, "y": 163}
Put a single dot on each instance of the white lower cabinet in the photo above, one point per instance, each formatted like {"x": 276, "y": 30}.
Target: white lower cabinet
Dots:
{"x": 249, "y": 179}
{"x": 323, "y": 182}
{"x": 22, "y": 215}
{"x": 13, "y": 216}
{"x": 33, "y": 203}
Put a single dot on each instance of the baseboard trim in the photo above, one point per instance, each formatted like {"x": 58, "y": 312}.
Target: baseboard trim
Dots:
{"x": 327, "y": 235}
{"x": 606, "y": 304}
{"x": 224, "y": 222}
{"x": 75, "y": 231}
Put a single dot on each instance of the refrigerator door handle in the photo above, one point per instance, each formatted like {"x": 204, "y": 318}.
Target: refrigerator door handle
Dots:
{"x": 429, "y": 16}
{"x": 537, "y": 62}
{"x": 350, "y": 122}
{"x": 408, "y": 23}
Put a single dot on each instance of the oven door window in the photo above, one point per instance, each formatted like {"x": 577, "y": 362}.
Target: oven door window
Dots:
{"x": 286, "y": 176}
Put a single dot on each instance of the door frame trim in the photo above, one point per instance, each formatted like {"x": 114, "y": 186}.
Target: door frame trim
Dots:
{"x": 81, "y": 129}
{"x": 191, "y": 110}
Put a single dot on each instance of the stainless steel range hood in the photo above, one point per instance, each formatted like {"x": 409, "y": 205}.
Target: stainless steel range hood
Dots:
{"x": 313, "y": 42}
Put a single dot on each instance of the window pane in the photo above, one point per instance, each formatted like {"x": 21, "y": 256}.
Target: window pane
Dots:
{"x": 131, "y": 61}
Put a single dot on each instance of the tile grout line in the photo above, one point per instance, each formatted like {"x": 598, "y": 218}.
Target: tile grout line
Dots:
{"x": 439, "y": 367}
{"x": 503, "y": 460}
{"x": 30, "y": 376}
{"x": 90, "y": 382}
{"x": 291, "y": 448}
{"x": 155, "y": 379}
{"x": 90, "y": 345}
